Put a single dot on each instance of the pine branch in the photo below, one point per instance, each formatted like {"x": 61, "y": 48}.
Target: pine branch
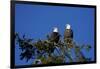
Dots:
{"x": 38, "y": 48}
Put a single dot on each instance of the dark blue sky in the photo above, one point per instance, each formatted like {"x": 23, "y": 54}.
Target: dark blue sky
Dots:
{"x": 36, "y": 21}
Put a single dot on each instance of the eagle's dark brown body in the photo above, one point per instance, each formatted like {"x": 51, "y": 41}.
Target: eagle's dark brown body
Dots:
{"x": 68, "y": 33}
{"x": 68, "y": 37}
{"x": 55, "y": 36}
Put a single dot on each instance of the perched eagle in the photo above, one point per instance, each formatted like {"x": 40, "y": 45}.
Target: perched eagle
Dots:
{"x": 68, "y": 36}
{"x": 55, "y": 36}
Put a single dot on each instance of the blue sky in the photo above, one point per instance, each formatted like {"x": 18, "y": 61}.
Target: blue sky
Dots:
{"x": 36, "y": 21}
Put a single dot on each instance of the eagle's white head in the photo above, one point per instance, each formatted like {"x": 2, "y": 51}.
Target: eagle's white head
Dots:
{"x": 68, "y": 26}
{"x": 55, "y": 29}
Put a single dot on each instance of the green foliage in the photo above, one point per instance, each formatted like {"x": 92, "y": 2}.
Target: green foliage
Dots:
{"x": 43, "y": 50}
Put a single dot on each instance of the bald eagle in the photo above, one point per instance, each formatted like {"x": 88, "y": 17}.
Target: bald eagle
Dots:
{"x": 55, "y": 36}
{"x": 68, "y": 36}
